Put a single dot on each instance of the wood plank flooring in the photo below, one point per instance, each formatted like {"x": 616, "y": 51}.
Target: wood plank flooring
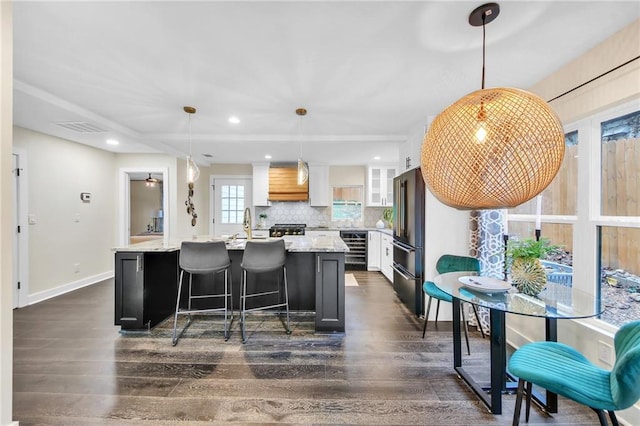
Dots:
{"x": 73, "y": 367}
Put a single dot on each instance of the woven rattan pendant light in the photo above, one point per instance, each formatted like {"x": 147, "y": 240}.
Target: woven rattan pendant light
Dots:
{"x": 494, "y": 148}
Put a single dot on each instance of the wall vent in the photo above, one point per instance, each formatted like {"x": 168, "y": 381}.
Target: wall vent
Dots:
{"x": 80, "y": 127}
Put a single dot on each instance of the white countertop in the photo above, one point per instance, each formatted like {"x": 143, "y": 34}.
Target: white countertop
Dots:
{"x": 301, "y": 243}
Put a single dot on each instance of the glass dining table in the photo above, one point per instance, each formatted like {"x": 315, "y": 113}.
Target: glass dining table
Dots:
{"x": 556, "y": 301}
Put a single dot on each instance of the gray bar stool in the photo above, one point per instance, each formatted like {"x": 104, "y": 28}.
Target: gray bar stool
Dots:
{"x": 258, "y": 258}
{"x": 204, "y": 258}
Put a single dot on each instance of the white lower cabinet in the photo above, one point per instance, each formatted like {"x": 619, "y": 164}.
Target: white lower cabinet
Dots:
{"x": 373, "y": 251}
{"x": 327, "y": 233}
{"x": 386, "y": 256}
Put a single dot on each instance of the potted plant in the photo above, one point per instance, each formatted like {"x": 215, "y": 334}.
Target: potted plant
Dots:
{"x": 387, "y": 215}
{"x": 527, "y": 272}
{"x": 262, "y": 223}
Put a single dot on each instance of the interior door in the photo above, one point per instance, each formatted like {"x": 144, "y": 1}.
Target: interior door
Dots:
{"x": 230, "y": 197}
{"x": 16, "y": 239}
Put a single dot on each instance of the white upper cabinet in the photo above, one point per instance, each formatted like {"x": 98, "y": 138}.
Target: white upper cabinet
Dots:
{"x": 410, "y": 150}
{"x": 261, "y": 184}
{"x": 380, "y": 186}
{"x": 319, "y": 194}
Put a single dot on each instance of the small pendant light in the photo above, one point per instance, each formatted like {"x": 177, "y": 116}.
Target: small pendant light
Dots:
{"x": 303, "y": 168}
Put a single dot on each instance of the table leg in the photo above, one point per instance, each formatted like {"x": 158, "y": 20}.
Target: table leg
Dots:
{"x": 457, "y": 343}
{"x": 551, "y": 335}
{"x": 498, "y": 359}
{"x": 498, "y": 356}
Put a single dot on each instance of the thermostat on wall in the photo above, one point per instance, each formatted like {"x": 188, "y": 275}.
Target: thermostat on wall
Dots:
{"x": 85, "y": 196}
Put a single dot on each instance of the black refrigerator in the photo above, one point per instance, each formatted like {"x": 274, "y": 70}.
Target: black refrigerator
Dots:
{"x": 408, "y": 239}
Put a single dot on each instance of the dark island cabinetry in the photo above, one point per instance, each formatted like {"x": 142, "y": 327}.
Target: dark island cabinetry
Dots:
{"x": 329, "y": 291}
{"x": 146, "y": 282}
{"x": 145, "y": 288}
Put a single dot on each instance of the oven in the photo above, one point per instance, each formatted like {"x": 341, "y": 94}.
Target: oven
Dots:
{"x": 282, "y": 229}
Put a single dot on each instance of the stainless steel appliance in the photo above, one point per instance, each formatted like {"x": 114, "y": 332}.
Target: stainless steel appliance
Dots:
{"x": 408, "y": 239}
{"x": 356, "y": 258}
{"x": 280, "y": 229}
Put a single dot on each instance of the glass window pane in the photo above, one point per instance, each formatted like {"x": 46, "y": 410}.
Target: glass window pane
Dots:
{"x": 620, "y": 274}
{"x": 620, "y": 159}
{"x": 225, "y": 204}
{"x": 240, "y": 191}
{"x": 225, "y": 217}
{"x": 225, "y": 190}
{"x": 560, "y": 197}
{"x": 232, "y": 191}
{"x": 232, "y": 204}
{"x": 347, "y": 203}
{"x": 240, "y": 204}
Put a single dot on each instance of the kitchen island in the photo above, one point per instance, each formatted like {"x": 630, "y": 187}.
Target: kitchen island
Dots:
{"x": 146, "y": 279}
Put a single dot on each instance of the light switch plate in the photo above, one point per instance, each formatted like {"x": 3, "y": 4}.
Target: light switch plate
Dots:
{"x": 32, "y": 219}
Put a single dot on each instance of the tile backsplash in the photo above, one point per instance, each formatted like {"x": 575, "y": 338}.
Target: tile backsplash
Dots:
{"x": 301, "y": 212}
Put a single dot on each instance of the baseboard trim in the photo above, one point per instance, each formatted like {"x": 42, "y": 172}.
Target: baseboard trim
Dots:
{"x": 66, "y": 288}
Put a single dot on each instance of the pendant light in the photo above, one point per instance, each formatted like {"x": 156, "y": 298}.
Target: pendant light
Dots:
{"x": 150, "y": 181}
{"x": 193, "y": 172}
{"x": 303, "y": 168}
{"x": 493, "y": 148}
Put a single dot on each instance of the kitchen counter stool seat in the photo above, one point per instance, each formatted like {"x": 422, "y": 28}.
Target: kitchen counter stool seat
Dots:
{"x": 260, "y": 258}
{"x": 204, "y": 258}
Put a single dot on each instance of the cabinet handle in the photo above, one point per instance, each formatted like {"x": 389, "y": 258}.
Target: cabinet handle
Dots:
{"x": 318, "y": 262}
{"x": 137, "y": 263}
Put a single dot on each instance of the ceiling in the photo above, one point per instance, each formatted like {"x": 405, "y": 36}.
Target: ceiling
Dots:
{"x": 369, "y": 73}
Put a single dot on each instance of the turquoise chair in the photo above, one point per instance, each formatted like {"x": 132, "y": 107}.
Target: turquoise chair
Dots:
{"x": 565, "y": 371}
{"x": 451, "y": 263}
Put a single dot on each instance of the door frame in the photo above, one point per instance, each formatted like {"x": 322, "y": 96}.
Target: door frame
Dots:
{"x": 22, "y": 252}
{"x": 212, "y": 200}
{"x": 124, "y": 213}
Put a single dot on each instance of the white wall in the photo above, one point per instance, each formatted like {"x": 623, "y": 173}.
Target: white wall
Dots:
{"x": 70, "y": 243}
{"x": 6, "y": 218}
{"x": 446, "y": 232}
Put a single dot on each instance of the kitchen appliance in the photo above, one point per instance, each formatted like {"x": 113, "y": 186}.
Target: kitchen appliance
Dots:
{"x": 408, "y": 239}
{"x": 281, "y": 229}
{"x": 356, "y": 257}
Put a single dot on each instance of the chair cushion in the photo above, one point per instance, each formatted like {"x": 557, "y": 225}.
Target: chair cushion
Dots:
{"x": 432, "y": 290}
{"x": 565, "y": 371}
{"x": 452, "y": 263}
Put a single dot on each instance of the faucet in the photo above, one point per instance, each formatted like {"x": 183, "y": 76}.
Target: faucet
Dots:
{"x": 246, "y": 223}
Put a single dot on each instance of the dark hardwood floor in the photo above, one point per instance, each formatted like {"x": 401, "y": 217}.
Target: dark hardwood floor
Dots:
{"x": 73, "y": 367}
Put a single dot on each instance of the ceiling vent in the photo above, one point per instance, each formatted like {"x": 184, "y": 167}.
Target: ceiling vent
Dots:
{"x": 80, "y": 127}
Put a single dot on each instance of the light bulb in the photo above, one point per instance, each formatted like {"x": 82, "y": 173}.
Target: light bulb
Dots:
{"x": 303, "y": 172}
{"x": 193, "y": 172}
{"x": 481, "y": 133}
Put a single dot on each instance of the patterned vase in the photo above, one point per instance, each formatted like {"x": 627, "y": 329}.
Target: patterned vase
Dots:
{"x": 528, "y": 275}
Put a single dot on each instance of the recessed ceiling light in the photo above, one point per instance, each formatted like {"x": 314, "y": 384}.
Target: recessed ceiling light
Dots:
{"x": 268, "y": 157}
{"x": 377, "y": 157}
{"x": 112, "y": 142}
{"x": 234, "y": 120}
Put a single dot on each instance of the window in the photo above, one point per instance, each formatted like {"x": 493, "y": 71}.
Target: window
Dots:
{"x": 619, "y": 159}
{"x": 619, "y": 257}
{"x": 232, "y": 207}
{"x": 559, "y": 198}
{"x": 347, "y": 203}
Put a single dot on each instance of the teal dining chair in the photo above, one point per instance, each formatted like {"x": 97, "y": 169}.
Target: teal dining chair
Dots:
{"x": 562, "y": 369}
{"x": 451, "y": 263}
